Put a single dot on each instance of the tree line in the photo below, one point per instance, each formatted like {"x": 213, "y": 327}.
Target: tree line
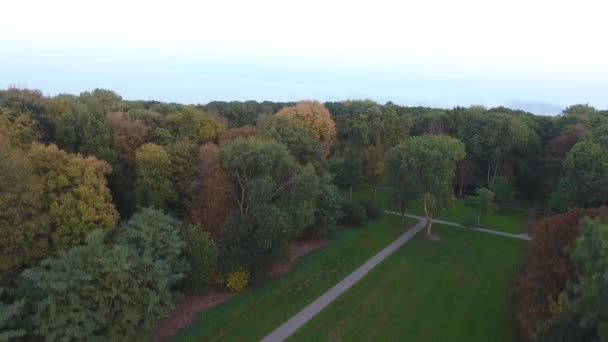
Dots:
{"x": 110, "y": 207}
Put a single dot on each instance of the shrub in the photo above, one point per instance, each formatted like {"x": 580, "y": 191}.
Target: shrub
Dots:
{"x": 371, "y": 210}
{"x": 328, "y": 208}
{"x": 238, "y": 280}
{"x": 354, "y": 213}
{"x": 201, "y": 252}
{"x": 469, "y": 221}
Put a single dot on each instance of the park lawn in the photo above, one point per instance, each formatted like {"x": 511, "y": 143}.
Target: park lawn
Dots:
{"x": 454, "y": 289}
{"x": 255, "y": 313}
{"x": 505, "y": 219}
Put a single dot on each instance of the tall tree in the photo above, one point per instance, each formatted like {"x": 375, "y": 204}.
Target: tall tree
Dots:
{"x": 314, "y": 116}
{"x": 547, "y": 268}
{"x": 211, "y": 192}
{"x": 424, "y": 167}
{"x": 153, "y": 185}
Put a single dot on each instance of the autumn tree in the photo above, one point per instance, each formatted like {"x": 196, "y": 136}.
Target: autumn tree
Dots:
{"x": 547, "y": 268}
{"x": 184, "y": 169}
{"x": 237, "y": 132}
{"x": 153, "y": 167}
{"x": 211, "y": 192}
{"x": 424, "y": 167}
{"x": 24, "y": 220}
{"x": 581, "y": 312}
{"x": 299, "y": 140}
{"x": 192, "y": 123}
{"x": 127, "y": 136}
{"x": 314, "y": 116}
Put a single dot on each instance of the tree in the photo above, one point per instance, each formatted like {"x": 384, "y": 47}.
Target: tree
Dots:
{"x": 423, "y": 167}
{"x": 482, "y": 201}
{"x": 24, "y": 221}
{"x": 211, "y": 193}
{"x": 153, "y": 185}
{"x": 274, "y": 201}
{"x": 9, "y": 313}
{"x": 157, "y": 237}
{"x": 19, "y": 129}
{"x": 201, "y": 252}
{"x": 74, "y": 194}
{"x": 503, "y": 189}
{"x": 99, "y": 291}
{"x": 183, "y": 173}
{"x": 314, "y": 116}
{"x": 127, "y": 136}
{"x": 581, "y": 312}
{"x": 547, "y": 269}
{"x": 30, "y": 103}
{"x": 584, "y": 182}
{"x": 466, "y": 171}
{"x": 237, "y": 132}
{"x": 348, "y": 174}
{"x": 328, "y": 209}
{"x": 84, "y": 129}
{"x": 299, "y": 140}
{"x": 191, "y": 123}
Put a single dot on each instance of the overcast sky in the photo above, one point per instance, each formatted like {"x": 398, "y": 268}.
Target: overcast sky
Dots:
{"x": 543, "y": 53}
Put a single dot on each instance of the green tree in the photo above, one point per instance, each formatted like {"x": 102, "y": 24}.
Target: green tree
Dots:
{"x": 424, "y": 168}
{"x": 274, "y": 201}
{"x": 158, "y": 237}
{"x": 328, "y": 209}
{"x": 191, "y": 123}
{"x": 153, "y": 185}
{"x": 583, "y": 182}
{"x": 202, "y": 253}
{"x": 348, "y": 174}
{"x": 84, "y": 129}
{"x": 299, "y": 140}
{"x": 482, "y": 201}
{"x": 99, "y": 290}
{"x": 504, "y": 189}
{"x": 9, "y": 313}
{"x": 184, "y": 170}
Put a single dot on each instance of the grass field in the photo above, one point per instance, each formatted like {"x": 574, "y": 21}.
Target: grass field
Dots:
{"x": 255, "y": 313}
{"x": 454, "y": 289}
{"x": 507, "y": 220}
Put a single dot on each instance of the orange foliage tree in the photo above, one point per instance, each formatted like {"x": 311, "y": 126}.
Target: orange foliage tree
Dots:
{"x": 238, "y": 132}
{"x": 547, "y": 267}
{"x": 314, "y": 116}
{"x": 211, "y": 201}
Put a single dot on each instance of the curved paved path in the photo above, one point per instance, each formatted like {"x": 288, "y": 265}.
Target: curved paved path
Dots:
{"x": 524, "y": 236}
{"x": 306, "y": 314}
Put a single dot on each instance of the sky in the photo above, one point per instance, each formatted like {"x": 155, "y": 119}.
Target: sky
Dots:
{"x": 540, "y": 55}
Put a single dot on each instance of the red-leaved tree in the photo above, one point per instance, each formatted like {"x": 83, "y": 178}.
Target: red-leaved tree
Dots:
{"x": 547, "y": 267}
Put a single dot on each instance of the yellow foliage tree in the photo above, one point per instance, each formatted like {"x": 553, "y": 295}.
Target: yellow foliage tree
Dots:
{"x": 314, "y": 116}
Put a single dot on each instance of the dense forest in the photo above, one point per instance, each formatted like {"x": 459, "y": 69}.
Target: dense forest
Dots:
{"x": 110, "y": 208}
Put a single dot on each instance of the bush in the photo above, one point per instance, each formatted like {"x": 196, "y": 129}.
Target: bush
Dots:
{"x": 469, "y": 221}
{"x": 238, "y": 280}
{"x": 201, "y": 252}
{"x": 328, "y": 208}
{"x": 99, "y": 291}
{"x": 354, "y": 213}
{"x": 371, "y": 210}
{"x": 9, "y": 314}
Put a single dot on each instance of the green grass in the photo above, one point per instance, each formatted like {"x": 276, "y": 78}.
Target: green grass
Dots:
{"x": 505, "y": 219}
{"x": 454, "y": 289}
{"x": 255, "y": 313}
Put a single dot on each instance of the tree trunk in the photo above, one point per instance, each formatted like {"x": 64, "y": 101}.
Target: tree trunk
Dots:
{"x": 350, "y": 195}
{"x": 460, "y": 191}
{"x": 402, "y": 217}
{"x": 429, "y": 224}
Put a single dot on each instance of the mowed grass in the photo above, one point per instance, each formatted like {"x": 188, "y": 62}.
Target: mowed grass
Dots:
{"x": 505, "y": 219}
{"x": 454, "y": 289}
{"x": 255, "y": 313}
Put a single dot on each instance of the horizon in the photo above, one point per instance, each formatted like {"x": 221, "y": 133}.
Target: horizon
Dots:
{"x": 435, "y": 54}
